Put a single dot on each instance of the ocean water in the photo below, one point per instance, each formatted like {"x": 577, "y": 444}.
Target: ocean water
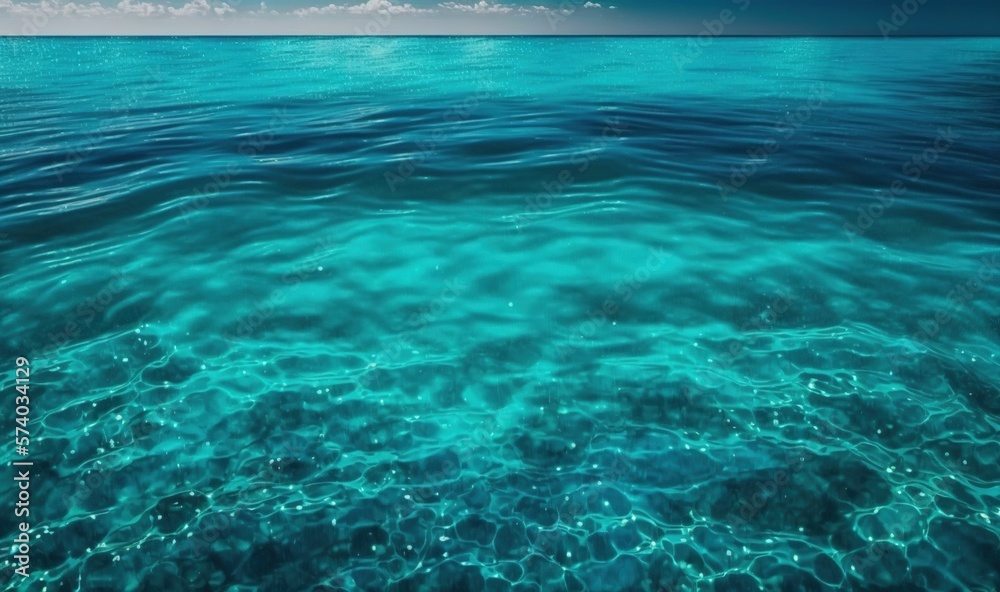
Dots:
{"x": 525, "y": 314}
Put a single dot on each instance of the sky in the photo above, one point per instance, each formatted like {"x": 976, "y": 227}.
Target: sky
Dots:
{"x": 880, "y": 18}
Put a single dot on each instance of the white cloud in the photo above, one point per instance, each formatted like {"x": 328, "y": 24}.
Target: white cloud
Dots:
{"x": 263, "y": 10}
{"x": 140, "y": 8}
{"x": 201, "y": 8}
{"x": 54, "y": 9}
{"x": 123, "y": 8}
{"x": 484, "y": 7}
{"x": 382, "y": 7}
{"x": 88, "y": 10}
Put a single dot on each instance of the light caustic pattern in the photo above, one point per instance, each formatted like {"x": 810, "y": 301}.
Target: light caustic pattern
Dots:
{"x": 505, "y": 314}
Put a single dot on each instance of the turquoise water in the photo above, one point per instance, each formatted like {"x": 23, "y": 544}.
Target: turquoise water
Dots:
{"x": 504, "y": 314}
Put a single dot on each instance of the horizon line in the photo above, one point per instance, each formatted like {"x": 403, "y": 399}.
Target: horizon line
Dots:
{"x": 503, "y": 35}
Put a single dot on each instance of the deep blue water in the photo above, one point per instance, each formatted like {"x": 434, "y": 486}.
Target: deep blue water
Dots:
{"x": 539, "y": 314}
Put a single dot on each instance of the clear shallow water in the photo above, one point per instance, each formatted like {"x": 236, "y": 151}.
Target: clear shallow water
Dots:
{"x": 505, "y": 314}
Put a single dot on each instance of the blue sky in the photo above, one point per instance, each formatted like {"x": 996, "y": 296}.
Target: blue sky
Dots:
{"x": 886, "y": 18}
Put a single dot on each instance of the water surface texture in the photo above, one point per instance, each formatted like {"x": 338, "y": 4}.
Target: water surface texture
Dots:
{"x": 463, "y": 314}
